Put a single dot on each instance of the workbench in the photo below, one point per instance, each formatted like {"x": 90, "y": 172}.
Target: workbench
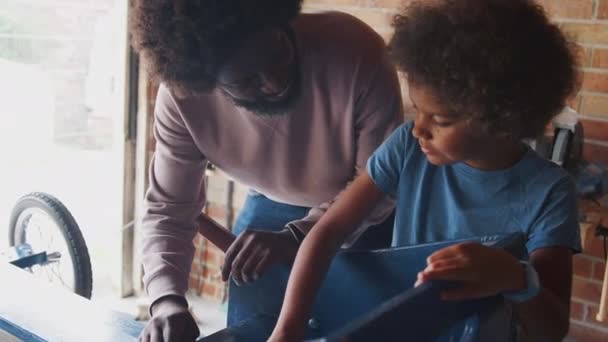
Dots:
{"x": 367, "y": 295}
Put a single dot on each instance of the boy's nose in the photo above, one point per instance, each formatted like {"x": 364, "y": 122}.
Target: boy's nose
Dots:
{"x": 420, "y": 131}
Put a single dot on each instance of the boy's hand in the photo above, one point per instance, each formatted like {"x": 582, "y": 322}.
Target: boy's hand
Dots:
{"x": 483, "y": 271}
{"x": 254, "y": 251}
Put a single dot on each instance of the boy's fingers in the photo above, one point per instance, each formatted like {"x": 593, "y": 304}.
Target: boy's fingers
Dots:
{"x": 444, "y": 253}
{"x": 419, "y": 280}
{"x": 457, "y": 250}
{"x": 445, "y": 263}
{"x": 447, "y": 273}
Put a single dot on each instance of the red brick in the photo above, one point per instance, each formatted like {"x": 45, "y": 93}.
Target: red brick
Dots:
{"x": 594, "y": 215}
{"x": 569, "y": 9}
{"x": 587, "y": 33}
{"x": 597, "y": 82}
{"x": 584, "y": 55}
{"x": 209, "y": 258}
{"x": 214, "y": 258}
{"x": 594, "y": 105}
{"x": 575, "y": 102}
{"x": 333, "y": 3}
{"x": 219, "y": 255}
{"x": 595, "y": 129}
{"x": 193, "y": 282}
{"x": 593, "y": 245}
{"x": 216, "y": 212}
{"x": 577, "y": 310}
{"x": 600, "y": 58}
{"x": 196, "y": 265}
{"x": 602, "y": 10}
{"x": 582, "y": 333}
{"x": 209, "y": 289}
{"x": 598, "y": 270}
{"x": 198, "y": 253}
{"x": 595, "y": 153}
{"x": 211, "y": 273}
{"x": 592, "y": 314}
{"x": 586, "y": 290}
{"x": 582, "y": 266}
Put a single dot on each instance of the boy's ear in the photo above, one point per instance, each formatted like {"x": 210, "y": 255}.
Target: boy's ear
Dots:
{"x": 488, "y": 129}
{"x": 504, "y": 135}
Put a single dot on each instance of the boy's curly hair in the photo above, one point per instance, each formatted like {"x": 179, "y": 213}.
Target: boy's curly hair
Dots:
{"x": 499, "y": 61}
{"x": 184, "y": 42}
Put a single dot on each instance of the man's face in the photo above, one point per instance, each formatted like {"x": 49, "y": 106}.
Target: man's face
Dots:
{"x": 262, "y": 75}
{"x": 445, "y": 137}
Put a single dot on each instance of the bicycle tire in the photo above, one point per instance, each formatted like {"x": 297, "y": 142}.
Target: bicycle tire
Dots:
{"x": 63, "y": 219}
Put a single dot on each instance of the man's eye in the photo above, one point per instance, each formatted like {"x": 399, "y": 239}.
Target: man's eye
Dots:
{"x": 243, "y": 82}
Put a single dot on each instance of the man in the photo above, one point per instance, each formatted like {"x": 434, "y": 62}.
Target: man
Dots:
{"x": 290, "y": 104}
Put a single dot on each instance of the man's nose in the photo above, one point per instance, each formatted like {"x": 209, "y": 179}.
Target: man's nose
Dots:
{"x": 272, "y": 83}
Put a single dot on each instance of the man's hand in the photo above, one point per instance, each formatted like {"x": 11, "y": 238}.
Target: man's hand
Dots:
{"x": 483, "y": 271}
{"x": 254, "y": 251}
{"x": 171, "y": 322}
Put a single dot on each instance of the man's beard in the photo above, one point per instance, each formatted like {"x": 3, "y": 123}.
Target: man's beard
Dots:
{"x": 265, "y": 107}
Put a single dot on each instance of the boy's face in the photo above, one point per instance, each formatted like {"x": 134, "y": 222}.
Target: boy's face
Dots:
{"x": 447, "y": 138}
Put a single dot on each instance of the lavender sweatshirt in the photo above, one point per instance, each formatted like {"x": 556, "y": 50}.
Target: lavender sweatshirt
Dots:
{"x": 350, "y": 102}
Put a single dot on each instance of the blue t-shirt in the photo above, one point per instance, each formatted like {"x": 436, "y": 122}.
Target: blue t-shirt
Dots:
{"x": 456, "y": 201}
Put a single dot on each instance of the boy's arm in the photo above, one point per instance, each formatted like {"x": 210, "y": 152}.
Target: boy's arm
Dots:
{"x": 316, "y": 252}
{"x": 546, "y": 316}
{"x": 485, "y": 271}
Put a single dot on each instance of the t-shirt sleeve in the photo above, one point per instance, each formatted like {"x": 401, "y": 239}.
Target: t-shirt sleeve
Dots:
{"x": 557, "y": 224}
{"x": 385, "y": 165}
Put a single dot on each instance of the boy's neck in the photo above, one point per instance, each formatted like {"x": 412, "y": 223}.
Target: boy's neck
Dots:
{"x": 499, "y": 155}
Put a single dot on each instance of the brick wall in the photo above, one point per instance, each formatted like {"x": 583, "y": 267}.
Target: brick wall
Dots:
{"x": 589, "y": 268}
{"x": 587, "y": 22}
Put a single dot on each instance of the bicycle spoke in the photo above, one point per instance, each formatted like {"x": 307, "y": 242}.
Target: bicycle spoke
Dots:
{"x": 39, "y": 230}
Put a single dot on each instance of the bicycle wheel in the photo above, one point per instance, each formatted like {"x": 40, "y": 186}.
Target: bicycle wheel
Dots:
{"x": 44, "y": 223}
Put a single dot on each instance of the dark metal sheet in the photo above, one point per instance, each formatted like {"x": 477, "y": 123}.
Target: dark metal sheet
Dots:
{"x": 369, "y": 292}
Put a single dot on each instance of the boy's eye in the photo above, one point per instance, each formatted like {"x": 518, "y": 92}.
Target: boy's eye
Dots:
{"x": 443, "y": 122}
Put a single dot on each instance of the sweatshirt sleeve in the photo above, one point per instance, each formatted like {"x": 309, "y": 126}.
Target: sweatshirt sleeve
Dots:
{"x": 173, "y": 202}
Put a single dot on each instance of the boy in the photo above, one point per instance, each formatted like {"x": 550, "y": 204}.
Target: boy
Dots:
{"x": 483, "y": 76}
